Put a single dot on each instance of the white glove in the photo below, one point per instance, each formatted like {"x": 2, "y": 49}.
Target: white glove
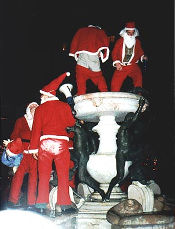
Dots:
{"x": 6, "y": 142}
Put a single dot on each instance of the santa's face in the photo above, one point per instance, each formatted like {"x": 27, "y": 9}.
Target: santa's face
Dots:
{"x": 130, "y": 32}
{"x": 129, "y": 38}
{"x": 43, "y": 98}
{"x": 32, "y": 109}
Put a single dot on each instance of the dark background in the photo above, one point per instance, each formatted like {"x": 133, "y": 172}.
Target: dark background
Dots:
{"x": 33, "y": 34}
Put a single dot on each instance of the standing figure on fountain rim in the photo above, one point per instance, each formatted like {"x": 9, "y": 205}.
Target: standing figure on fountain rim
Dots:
{"x": 90, "y": 45}
{"x": 126, "y": 54}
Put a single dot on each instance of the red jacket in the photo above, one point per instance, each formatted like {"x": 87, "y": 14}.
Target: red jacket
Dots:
{"x": 117, "y": 52}
{"x": 51, "y": 118}
{"x": 91, "y": 40}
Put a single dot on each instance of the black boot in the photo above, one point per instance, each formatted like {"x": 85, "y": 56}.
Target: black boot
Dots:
{"x": 69, "y": 209}
{"x": 11, "y": 205}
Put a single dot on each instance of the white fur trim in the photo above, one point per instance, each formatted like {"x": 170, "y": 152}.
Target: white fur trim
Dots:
{"x": 95, "y": 26}
{"x": 68, "y": 73}
{"x": 32, "y": 151}
{"x": 136, "y": 34}
{"x": 53, "y": 98}
{"x": 115, "y": 62}
{"x": 15, "y": 168}
{"x": 92, "y": 53}
{"x": 129, "y": 28}
{"x": 29, "y": 121}
{"x": 46, "y": 93}
{"x": 54, "y": 137}
{"x": 141, "y": 58}
{"x": 71, "y": 54}
{"x": 10, "y": 154}
{"x": 107, "y": 54}
{"x": 28, "y": 115}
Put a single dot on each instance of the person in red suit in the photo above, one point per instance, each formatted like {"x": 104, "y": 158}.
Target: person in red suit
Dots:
{"x": 90, "y": 45}
{"x": 49, "y": 142}
{"x": 126, "y": 54}
{"x": 28, "y": 164}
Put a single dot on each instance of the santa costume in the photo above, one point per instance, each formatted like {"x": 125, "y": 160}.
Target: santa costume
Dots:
{"x": 50, "y": 141}
{"x": 127, "y": 51}
{"x": 88, "y": 46}
{"x": 28, "y": 164}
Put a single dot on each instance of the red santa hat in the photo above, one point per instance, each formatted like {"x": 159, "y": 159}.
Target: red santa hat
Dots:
{"x": 14, "y": 147}
{"x": 130, "y": 25}
{"x": 50, "y": 89}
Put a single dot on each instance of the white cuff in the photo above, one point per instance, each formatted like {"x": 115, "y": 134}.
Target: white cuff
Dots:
{"x": 116, "y": 61}
{"x": 33, "y": 151}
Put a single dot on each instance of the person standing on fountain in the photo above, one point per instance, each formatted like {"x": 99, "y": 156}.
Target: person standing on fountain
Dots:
{"x": 28, "y": 164}
{"x": 90, "y": 45}
{"x": 126, "y": 54}
{"x": 49, "y": 142}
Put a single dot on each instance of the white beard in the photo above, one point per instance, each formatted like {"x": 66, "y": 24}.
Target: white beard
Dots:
{"x": 129, "y": 40}
{"x": 42, "y": 100}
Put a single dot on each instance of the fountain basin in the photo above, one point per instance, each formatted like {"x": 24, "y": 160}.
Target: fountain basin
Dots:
{"x": 90, "y": 107}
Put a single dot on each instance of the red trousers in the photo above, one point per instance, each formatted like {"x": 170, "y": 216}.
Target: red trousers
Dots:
{"x": 132, "y": 71}
{"x": 57, "y": 150}
{"x": 72, "y": 182}
{"x": 83, "y": 74}
{"x": 27, "y": 165}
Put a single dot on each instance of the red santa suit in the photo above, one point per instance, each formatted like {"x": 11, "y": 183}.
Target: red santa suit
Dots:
{"x": 130, "y": 67}
{"x": 50, "y": 139}
{"x": 89, "y": 45}
{"x": 22, "y": 129}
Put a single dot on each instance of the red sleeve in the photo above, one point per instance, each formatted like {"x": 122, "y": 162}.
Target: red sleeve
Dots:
{"x": 139, "y": 49}
{"x": 116, "y": 52}
{"x": 75, "y": 42}
{"x": 36, "y": 131}
{"x": 17, "y": 129}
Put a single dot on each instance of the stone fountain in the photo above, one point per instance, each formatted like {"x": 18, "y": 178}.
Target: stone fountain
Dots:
{"x": 106, "y": 109}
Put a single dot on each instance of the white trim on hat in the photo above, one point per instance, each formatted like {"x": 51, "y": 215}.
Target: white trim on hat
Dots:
{"x": 46, "y": 93}
{"x": 129, "y": 28}
{"x": 9, "y": 153}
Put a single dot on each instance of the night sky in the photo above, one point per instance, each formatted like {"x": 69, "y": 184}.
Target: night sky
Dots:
{"x": 34, "y": 33}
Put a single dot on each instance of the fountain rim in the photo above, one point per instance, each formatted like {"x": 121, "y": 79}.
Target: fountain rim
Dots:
{"x": 115, "y": 95}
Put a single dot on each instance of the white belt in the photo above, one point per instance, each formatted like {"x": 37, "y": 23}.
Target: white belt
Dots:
{"x": 54, "y": 137}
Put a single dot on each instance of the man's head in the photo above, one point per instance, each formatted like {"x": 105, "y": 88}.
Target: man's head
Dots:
{"x": 129, "y": 34}
{"x": 44, "y": 98}
{"x": 32, "y": 107}
{"x": 50, "y": 89}
{"x": 30, "y": 110}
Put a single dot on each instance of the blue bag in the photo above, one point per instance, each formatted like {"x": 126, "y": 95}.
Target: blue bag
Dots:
{"x": 11, "y": 161}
